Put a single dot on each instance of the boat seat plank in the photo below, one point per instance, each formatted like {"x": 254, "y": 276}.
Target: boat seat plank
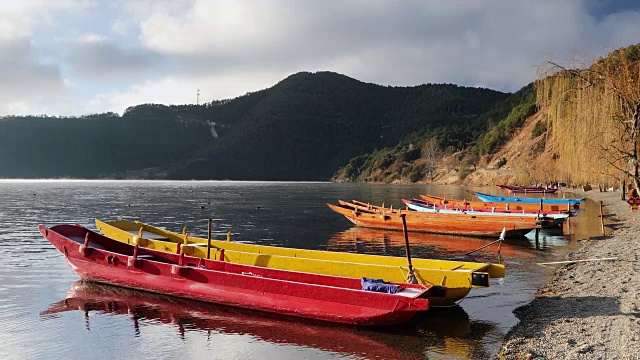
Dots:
{"x": 195, "y": 245}
{"x": 80, "y": 240}
{"x": 410, "y": 292}
{"x": 148, "y": 235}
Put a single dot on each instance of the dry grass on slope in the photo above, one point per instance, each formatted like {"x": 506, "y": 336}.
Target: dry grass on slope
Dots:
{"x": 522, "y": 160}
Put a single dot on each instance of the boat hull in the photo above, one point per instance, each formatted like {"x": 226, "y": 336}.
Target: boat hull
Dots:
{"x": 457, "y": 277}
{"x": 294, "y": 294}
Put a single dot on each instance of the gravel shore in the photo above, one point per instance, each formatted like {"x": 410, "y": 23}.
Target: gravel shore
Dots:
{"x": 590, "y": 310}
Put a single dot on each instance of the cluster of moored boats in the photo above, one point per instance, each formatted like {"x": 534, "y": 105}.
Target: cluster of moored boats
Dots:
{"x": 356, "y": 289}
{"x": 487, "y": 217}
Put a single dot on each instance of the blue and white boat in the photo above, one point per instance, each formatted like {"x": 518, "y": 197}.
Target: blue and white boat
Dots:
{"x": 524, "y": 200}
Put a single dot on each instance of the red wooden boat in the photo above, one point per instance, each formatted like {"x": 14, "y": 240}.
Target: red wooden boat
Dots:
{"x": 527, "y": 189}
{"x": 98, "y": 258}
{"x": 185, "y": 315}
{"x": 362, "y": 214}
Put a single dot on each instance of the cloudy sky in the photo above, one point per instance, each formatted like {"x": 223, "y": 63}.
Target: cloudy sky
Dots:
{"x": 73, "y": 57}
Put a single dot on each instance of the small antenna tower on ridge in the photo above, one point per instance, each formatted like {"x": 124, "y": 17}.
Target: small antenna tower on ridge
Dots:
{"x": 198, "y": 97}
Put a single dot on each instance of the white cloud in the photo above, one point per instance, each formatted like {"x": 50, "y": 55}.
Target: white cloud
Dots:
{"x": 182, "y": 90}
{"x": 498, "y": 43}
{"x": 29, "y": 84}
{"x": 18, "y": 18}
{"x": 163, "y": 50}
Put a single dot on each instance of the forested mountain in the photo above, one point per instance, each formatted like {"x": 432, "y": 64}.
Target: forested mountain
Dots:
{"x": 303, "y": 128}
{"x": 414, "y": 158}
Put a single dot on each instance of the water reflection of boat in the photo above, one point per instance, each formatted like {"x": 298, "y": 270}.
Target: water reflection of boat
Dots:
{"x": 548, "y": 238}
{"x": 187, "y": 315}
{"x": 379, "y": 241}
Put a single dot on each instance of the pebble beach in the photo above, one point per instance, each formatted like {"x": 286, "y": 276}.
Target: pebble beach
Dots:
{"x": 591, "y": 309}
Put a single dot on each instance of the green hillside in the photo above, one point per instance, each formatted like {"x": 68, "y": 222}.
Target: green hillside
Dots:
{"x": 406, "y": 160}
{"x": 303, "y": 128}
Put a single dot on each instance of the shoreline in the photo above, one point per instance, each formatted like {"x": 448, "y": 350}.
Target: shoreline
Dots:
{"x": 588, "y": 310}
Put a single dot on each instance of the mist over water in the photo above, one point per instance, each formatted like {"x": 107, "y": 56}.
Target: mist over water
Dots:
{"x": 46, "y": 311}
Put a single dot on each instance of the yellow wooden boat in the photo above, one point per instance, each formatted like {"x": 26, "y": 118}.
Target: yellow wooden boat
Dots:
{"x": 457, "y": 277}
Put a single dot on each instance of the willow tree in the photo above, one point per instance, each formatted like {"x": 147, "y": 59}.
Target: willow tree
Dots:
{"x": 593, "y": 115}
{"x": 432, "y": 155}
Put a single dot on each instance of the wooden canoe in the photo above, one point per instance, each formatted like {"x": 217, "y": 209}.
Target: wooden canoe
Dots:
{"x": 527, "y": 189}
{"x": 457, "y": 277}
{"x": 95, "y": 257}
{"x": 454, "y": 224}
{"x": 498, "y": 205}
{"x": 525, "y": 200}
{"x": 552, "y": 219}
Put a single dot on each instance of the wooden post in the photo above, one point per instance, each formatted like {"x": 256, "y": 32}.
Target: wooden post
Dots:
{"x": 623, "y": 187}
{"x": 411, "y": 277}
{"x": 540, "y": 204}
{"x": 602, "y": 217}
{"x": 209, "y": 240}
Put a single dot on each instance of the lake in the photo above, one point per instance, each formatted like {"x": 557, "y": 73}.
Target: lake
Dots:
{"x": 45, "y": 311}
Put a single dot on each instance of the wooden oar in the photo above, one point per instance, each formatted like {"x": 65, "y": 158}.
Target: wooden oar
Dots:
{"x": 411, "y": 277}
{"x": 209, "y": 239}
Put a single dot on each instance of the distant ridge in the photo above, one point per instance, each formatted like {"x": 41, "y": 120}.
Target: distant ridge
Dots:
{"x": 303, "y": 128}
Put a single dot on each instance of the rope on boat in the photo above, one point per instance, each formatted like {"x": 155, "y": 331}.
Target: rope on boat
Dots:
{"x": 500, "y": 240}
{"x": 405, "y": 276}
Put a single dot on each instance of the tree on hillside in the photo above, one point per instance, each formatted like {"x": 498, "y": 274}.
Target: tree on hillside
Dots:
{"x": 594, "y": 115}
{"x": 432, "y": 154}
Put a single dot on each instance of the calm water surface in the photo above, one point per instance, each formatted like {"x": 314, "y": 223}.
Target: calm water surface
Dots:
{"x": 45, "y": 311}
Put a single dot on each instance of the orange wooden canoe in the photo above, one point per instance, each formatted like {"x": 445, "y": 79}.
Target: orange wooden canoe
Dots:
{"x": 470, "y": 225}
